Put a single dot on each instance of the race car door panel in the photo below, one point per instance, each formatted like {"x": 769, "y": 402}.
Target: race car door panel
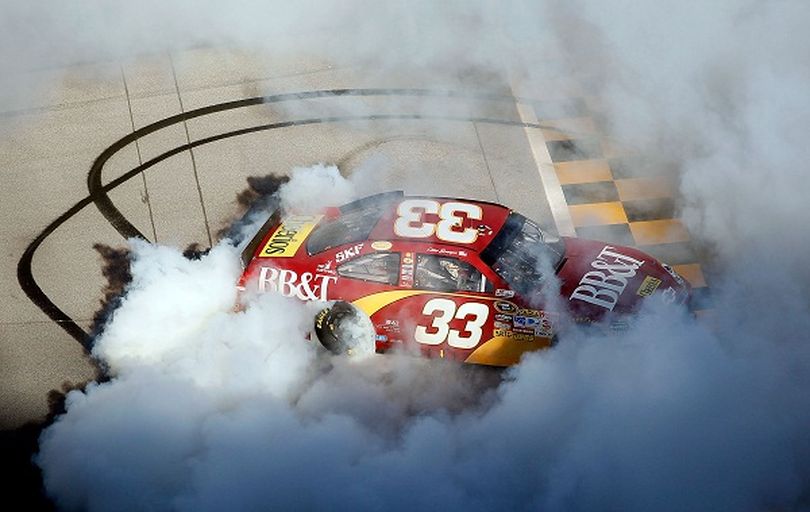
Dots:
{"x": 446, "y": 313}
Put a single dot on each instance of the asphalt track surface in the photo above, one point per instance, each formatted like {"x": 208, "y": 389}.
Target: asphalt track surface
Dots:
{"x": 98, "y": 191}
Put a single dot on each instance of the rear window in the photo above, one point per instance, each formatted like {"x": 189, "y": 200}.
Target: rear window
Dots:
{"x": 350, "y": 227}
{"x": 355, "y": 223}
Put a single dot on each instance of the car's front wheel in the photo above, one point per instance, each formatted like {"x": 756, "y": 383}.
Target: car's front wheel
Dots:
{"x": 344, "y": 329}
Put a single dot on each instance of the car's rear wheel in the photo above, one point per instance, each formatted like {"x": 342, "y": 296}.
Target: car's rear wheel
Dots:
{"x": 344, "y": 329}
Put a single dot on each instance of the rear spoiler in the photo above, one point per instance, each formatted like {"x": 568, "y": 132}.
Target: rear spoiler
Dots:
{"x": 250, "y": 250}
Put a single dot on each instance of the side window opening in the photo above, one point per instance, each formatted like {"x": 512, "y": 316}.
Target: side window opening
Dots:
{"x": 447, "y": 274}
{"x": 379, "y": 267}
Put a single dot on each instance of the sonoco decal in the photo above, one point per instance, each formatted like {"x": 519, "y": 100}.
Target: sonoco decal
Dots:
{"x": 289, "y": 236}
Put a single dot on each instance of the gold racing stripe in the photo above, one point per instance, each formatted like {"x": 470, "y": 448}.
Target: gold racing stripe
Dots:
{"x": 370, "y": 304}
{"x": 503, "y": 351}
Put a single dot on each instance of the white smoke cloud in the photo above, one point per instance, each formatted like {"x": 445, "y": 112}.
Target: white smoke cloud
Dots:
{"x": 211, "y": 409}
{"x": 241, "y": 411}
{"x": 310, "y": 189}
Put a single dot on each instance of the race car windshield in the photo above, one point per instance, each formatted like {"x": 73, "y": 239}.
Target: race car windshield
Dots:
{"x": 523, "y": 254}
{"x": 352, "y": 226}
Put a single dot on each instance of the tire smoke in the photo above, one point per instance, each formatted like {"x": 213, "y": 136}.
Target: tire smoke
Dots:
{"x": 212, "y": 409}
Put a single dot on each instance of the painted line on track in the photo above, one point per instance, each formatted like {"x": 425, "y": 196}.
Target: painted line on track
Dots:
{"x": 545, "y": 168}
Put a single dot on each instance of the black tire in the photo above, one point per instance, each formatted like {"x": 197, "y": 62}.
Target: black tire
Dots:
{"x": 344, "y": 329}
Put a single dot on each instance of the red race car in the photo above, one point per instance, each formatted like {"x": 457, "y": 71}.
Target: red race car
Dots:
{"x": 449, "y": 278}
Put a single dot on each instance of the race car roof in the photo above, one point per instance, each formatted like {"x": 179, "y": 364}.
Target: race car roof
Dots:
{"x": 434, "y": 220}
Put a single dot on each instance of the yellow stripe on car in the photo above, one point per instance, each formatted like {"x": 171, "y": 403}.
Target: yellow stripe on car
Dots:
{"x": 370, "y": 304}
{"x": 505, "y": 351}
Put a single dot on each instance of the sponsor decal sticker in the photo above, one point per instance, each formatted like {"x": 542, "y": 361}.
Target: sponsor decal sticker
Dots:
{"x": 483, "y": 229}
{"x": 321, "y": 316}
{"x": 538, "y": 322}
{"x": 603, "y": 285}
{"x": 674, "y": 274}
{"x": 441, "y": 251}
{"x": 620, "y": 325}
{"x": 517, "y": 336}
{"x": 670, "y": 295}
{"x": 648, "y": 286}
{"x": 381, "y": 245}
{"x": 325, "y": 268}
{"x": 406, "y": 270}
{"x": 503, "y": 318}
{"x": 507, "y": 308}
{"x": 525, "y": 321}
{"x": 307, "y": 286}
{"x": 289, "y": 236}
{"x": 390, "y": 326}
{"x": 507, "y": 294}
{"x": 347, "y": 254}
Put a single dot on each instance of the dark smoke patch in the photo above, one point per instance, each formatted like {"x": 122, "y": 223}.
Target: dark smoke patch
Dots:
{"x": 259, "y": 188}
{"x": 260, "y": 195}
{"x": 195, "y": 251}
{"x": 115, "y": 269}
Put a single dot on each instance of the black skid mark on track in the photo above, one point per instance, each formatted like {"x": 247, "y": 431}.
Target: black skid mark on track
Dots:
{"x": 98, "y": 192}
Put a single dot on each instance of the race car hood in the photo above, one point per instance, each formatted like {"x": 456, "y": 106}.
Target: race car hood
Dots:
{"x": 598, "y": 278}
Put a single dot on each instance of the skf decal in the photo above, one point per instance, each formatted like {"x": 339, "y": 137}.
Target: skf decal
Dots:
{"x": 289, "y": 236}
{"x": 604, "y": 288}
{"x": 307, "y": 286}
{"x": 648, "y": 286}
{"x": 347, "y": 254}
